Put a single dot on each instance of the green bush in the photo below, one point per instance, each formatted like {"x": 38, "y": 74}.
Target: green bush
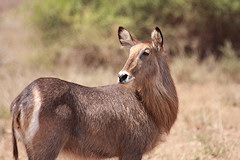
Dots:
{"x": 214, "y": 22}
{"x": 209, "y": 23}
{"x": 53, "y": 15}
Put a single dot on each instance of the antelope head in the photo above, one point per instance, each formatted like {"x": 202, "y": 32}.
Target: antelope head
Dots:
{"x": 142, "y": 64}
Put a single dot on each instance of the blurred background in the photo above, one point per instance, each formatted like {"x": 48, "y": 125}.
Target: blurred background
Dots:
{"x": 76, "y": 40}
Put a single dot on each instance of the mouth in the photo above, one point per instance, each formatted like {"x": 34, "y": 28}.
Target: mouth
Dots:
{"x": 125, "y": 77}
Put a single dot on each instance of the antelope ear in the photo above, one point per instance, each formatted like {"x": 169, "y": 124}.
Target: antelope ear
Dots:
{"x": 157, "y": 39}
{"x": 125, "y": 38}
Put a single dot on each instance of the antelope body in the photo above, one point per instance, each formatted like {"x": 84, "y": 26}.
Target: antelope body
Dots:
{"x": 123, "y": 120}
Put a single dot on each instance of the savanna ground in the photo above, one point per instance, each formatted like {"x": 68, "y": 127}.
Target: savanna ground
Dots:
{"x": 208, "y": 124}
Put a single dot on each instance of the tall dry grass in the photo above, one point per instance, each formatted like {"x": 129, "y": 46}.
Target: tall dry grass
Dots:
{"x": 208, "y": 122}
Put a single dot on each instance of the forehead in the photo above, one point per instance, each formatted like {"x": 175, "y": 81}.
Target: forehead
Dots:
{"x": 138, "y": 47}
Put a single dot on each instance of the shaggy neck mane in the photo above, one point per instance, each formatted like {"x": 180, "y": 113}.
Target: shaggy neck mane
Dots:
{"x": 160, "y": 98}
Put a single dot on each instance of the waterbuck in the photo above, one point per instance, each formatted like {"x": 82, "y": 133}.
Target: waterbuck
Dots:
{"x": 122, "y": 120}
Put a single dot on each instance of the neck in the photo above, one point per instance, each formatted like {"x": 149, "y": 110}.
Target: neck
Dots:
{"x": 160, "y": 99}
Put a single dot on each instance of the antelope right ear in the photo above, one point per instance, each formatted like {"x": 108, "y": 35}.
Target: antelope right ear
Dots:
{"x": 125, "y": 38}
{"x": 157, "y": 39}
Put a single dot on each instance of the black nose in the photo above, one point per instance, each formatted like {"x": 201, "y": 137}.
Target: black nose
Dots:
{"x": 122, "y": 77}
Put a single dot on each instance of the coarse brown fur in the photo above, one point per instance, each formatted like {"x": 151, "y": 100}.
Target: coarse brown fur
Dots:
{"x": 123, "y": 120}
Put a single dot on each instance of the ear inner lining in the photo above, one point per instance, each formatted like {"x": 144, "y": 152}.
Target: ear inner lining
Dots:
{"x": 157, "y": 39}
{"x": 125, "y": 38}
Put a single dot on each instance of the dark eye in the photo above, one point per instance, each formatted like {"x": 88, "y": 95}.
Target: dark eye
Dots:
{"x": 146, "y": 52}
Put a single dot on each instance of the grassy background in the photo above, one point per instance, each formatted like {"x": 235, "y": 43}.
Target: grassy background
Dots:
{"x": 77, "y": 41}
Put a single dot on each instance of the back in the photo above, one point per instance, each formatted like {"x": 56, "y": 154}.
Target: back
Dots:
{"x": 93, "y": 121}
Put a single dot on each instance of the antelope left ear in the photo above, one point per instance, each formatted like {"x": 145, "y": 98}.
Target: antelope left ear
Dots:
{"x": 157, "y": 39}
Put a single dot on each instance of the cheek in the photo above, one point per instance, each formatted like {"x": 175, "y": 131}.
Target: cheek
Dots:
{"x": 152, "y": 68}
{"x": 146, "y": 70}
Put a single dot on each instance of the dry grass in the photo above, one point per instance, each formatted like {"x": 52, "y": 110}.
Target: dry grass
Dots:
{"x": 208, "y": 122}
{"x": 207, "y": 126}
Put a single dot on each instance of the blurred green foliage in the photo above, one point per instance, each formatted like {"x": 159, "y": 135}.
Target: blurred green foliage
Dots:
{"x": 53, "y": 15}
{"x": 214, "y": 22}
{"x": 206, "y": 23}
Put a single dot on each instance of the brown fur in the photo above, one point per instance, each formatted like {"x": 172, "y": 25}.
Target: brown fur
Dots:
{"x": 123, "y": 120}
{"x": 155, "y": 86}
